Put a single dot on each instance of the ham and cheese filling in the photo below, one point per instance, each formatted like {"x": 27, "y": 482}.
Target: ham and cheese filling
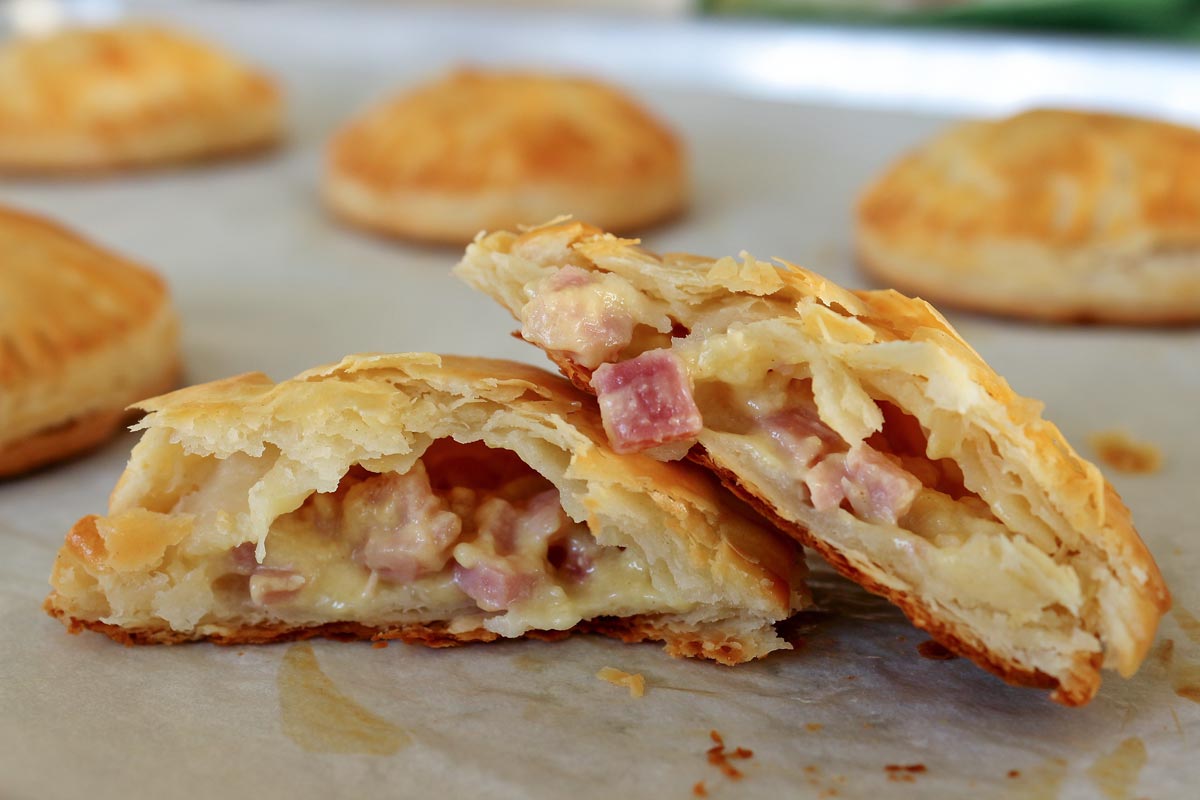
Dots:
{"x": 647, "y": 399}
{"x": 467, "y": 527}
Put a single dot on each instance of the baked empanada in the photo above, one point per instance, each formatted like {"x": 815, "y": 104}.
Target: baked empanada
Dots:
{"x": 1052, "y": 214}
{"x": 131, "y": 95}
{"x": 479, "y": 149}
{"x": 423, "y": 498}
{"x": 864, "y": 425}
{"x": 83, "y": 333}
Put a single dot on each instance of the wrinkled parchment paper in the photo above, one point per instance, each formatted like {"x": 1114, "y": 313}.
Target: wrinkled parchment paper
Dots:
{"x": 266, "y": 282}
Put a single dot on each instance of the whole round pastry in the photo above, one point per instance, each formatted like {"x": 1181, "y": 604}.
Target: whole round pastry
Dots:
{"x": 480, "y": 150}
{"x": 1055, "y": 215}
{"x": 83, "y": 334}
{"x": 87, "y": 99}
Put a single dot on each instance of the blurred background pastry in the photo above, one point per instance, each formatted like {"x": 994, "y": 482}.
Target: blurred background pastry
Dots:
{"x": 83, "y": 333}
{"x": 1050, "y": 214}
{"x": 478, "y": 150}
{"x": 131, "y": 95}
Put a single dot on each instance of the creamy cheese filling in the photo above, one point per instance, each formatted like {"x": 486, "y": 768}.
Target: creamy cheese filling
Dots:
{"x": 468, "y": 530}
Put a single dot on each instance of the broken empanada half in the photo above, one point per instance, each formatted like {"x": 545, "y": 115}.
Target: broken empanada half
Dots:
{"x": 417, "y": 497}
{"x": 864, "y": 425}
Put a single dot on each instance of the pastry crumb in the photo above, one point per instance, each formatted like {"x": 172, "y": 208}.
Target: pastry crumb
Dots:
{"x": 813, "y": 727}
{"x": 904, "y": 773}
{"x": 1117, "y": 450}
{"x": 634, "y": 682}
{"x": 699, "y": 789}
{"x": 719, "y": 758}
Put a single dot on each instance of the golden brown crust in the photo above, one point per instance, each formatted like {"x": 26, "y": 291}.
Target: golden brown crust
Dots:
{"x": 84, "y": 333}
{"x": 920, "y": 614}
{"x": 1032, "y": 481}
{"x": 480, "y": 150}
{"x": 434, "y": 634}
{"x": 1061, "y": 216}
{"x": 86, "y": 101}
{"x": 75, "y": 436}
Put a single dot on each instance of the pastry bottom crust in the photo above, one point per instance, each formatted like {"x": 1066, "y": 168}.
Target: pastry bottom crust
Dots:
{"x": 430, "y": 634}
{"x": 77, "y": 435}
{"x": 1076, "y": 690}
{"x": 82, "y": 158}
{"x": 448, "y": 218}
{"x": 1135, "y": 300}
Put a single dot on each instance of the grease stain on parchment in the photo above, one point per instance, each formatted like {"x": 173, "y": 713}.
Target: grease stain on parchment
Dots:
{"x": 1185, "y": 680}
{"x": 1183, "y": 674}
{"x": 320, "y": 719}
{"x": 1117, "y": 772}
{"x": 1187, "y": 622}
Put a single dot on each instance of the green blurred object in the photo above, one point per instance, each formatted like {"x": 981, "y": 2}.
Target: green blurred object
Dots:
{"x": 1140, "y": 17}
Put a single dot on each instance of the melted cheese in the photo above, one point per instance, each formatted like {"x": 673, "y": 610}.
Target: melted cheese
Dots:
{"x": 312, "y": 542}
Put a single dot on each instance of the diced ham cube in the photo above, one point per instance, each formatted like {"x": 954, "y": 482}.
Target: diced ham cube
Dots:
{"x": 543, "y": 516}
{"x": 571, "y": 313}
{"x": 506, "y": 530}
{"x": 496, "y": 524}
{"x": 802, "y": 436}
{"x": 271, "y": 585}
{"x": 646, "y": 402}
{"x": 824, "y": 482}
{"x": 506, "y": 560}
{"x": 574, "y": 555}
{"x": 405, "y": 529}
{"x": 494, "y": 586}
{"x": 243, "y": 560}
{"x": 879, "y": 490}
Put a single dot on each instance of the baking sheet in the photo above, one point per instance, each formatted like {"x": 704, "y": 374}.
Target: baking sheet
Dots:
{"x": 265, "y": 281}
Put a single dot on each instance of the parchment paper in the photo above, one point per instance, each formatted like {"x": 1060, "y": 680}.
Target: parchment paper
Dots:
{"x": 266, "y": 281}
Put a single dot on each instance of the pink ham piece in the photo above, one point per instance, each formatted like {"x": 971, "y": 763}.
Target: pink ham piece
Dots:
{"x": 572, "y": 314}
{"x": 243, "y": 559}
{"x": 407, "y": 530}
{"x": 272, "y": 585}
{"x": 646, "y": 402}
{"x": 574, "y": 555}
{"x": 494, "y": 586}
{"x": 879, "y": 490}
{"x": 494, "y": 580}
{"x": 801, "y": 435}
{"x": 268, "y": 585}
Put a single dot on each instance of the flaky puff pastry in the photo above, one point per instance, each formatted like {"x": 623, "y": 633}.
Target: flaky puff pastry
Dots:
{"x": 304, "y": 487}
{"x": 83, "y": 333}
{"x": 478, "y": 150}
{"x": 950, "y": 496}
{"x": 1057, "y": 215}
{"x": 132, "y": 95}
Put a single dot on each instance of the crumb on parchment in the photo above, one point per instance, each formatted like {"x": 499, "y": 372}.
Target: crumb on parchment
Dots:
{"x": 905, "y": 773}
{"x": 634, "y": 682}
{"x": 1117, "y": 450}
{"x": 719, "y": 757}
